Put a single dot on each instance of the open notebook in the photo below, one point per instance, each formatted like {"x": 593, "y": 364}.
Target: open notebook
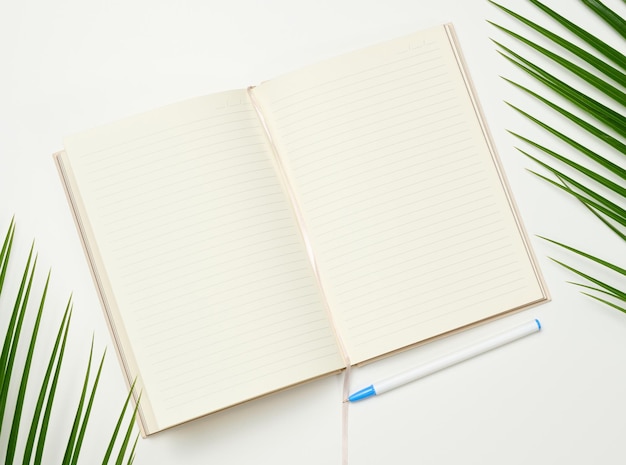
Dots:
{"x": 251, "y": 240}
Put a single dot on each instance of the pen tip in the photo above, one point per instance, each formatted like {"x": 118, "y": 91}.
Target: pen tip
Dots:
{"x": 362, "y": 394}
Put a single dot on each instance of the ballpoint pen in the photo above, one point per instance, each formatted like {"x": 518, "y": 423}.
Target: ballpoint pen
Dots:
{"x": 446, "y": 361}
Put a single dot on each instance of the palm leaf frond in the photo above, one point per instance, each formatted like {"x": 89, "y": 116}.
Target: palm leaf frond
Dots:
{"x": 22, "y": 334}
{"x": 591, "y": 183}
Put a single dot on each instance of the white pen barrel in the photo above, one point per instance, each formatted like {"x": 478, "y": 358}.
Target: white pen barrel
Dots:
{"x": 457, "y": 357}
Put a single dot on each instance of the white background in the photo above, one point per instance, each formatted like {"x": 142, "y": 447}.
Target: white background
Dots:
{"x": 68, "y": 65}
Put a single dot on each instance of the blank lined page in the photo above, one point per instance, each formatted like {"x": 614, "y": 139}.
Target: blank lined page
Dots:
{"x": 412, "y": 228}
{"x": 202, "y": 266}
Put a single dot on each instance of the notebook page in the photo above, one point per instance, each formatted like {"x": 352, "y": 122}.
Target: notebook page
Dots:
{"x": 203, "y": 268}
{"x": 413, "y": 232}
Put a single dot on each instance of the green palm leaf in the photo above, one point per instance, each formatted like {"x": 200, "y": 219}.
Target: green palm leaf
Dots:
{"x": 20, "y": 334}
{"x": 591, "y": 184}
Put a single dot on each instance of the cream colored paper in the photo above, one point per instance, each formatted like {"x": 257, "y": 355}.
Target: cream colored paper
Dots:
{"x": 205, "y": 273}
{"x": 413, "y": 230}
